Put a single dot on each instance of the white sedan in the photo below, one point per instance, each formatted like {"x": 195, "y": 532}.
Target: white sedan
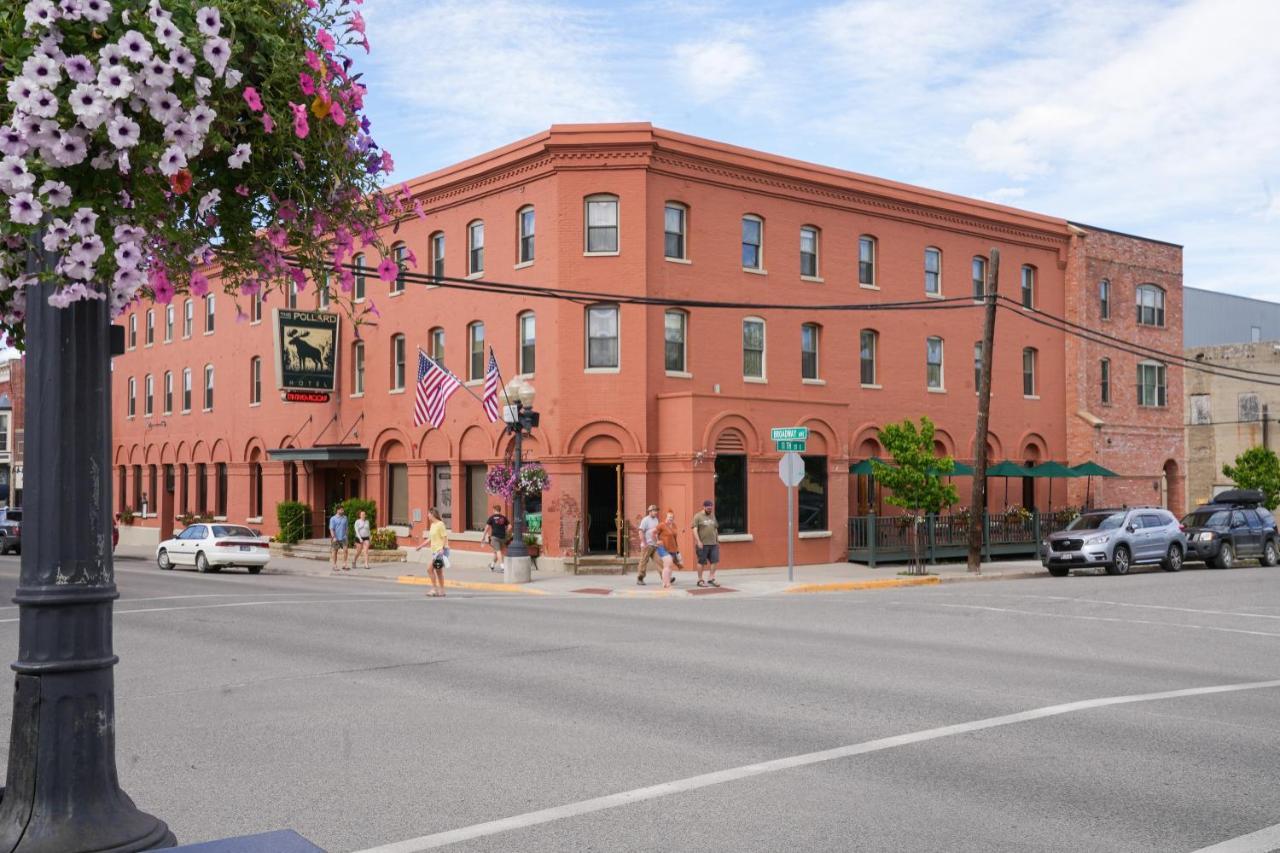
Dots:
{"x": 209, "y": 547}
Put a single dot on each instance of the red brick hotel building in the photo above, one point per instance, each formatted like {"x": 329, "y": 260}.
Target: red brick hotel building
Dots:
{"x": 653, "y": 404}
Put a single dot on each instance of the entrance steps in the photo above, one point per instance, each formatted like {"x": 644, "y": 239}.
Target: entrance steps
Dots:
{"x": 604, "y": 564}
{"x": 319, "y": 549}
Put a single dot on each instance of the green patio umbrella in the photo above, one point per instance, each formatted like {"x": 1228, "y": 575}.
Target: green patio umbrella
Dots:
{"x": 1052, "y": 471}
{"x": 864, "y": 468}
{"x": 1006, "y": 469}
{"x": 961, "y": 470}
{"x": 1091, "y": 469}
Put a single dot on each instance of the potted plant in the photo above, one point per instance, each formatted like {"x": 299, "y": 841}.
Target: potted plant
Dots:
{"x": 533, "y": 544}
{"x": 126, "y": 516}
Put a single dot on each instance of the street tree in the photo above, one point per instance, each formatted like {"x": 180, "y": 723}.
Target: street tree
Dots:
{"x": 147, "y": 148}
{"x": 1257, "y": 468}
{"x": 915, "y": 477}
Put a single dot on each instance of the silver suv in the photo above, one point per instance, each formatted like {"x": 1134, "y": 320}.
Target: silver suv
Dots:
{"x": 1117, "y": 539}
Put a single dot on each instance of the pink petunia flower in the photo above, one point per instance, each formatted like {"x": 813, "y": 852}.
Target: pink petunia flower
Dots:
{"x": 326, "y": 41}
{"x": 313, "y": 60}
{"x": 268, "y": 123}
{"x": 300, "y": 128}
{"x": 307, "y": 84}
{"x": 199, "y": 285}
{"x": 388, "y": 270}
{"x": 242, "y": 190}
{"x": 337, "y": 114}
{"x": 252, "y": 99}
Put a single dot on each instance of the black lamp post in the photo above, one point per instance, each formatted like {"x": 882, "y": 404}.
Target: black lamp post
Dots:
{"x": 521, "y": 419}
{"x": 62, "y": 792}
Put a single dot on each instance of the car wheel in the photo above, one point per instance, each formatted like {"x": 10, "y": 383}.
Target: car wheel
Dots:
{"x": 1173, "y": 560}
{"x": 202, "y": 563}
{"x": 163, "y": 561}
{"x": 1226, "y": 557}
{"x": 1059, "y": 571}
{"x": 253, "y": 570}
{"x": 1120, "y": 560}
{"x": 1269, "y": 555}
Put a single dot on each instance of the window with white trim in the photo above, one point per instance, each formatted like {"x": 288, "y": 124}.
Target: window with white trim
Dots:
{"x": 208, "y": 387}
{"x": 255, "y": 308}
{"x": 168, "y": 323}
{"x": 602, "y": 336}
{"x": 675, "y": 327}
{"x": 151, "y": 326}
{"x": 133, "y": 331}
{"x": 186, "y": 389}
{"x": 437, "y": 254}
{"x": 527, "y": 325}
{"x": 867, "y": 260}
{"x": 1104, "y": 298}
{"x": 602, "y": 224}
{"x": 168, "y": 392}
{"x": 753, "y": 361}
{"x": 361, "y": 279}
{"x": 809, "y": 336}
{"x": 752, "y": 242}
{"x": 1028, "y": 286}
{"x": 399, "y": 254}
{"x": 397, "y": 362}
{"x": 435, "y": 345}
{"x": 210, "y": 313}
{"x": 133, "y": 396}
{"x": 868, "y": 343}
{"x": 933, "y": 363}
{"x": 1104, "y": 380}
{"x": 1029, "y": 356}
{"x": 188, "y": 318}
{"x": 525, "y": 224}
{"x": 148, "y": 395}
{"x": 673, "y": 230}
{"x": 933, "y": 271}
{"x": 475, "y": 346}
{"x": 809, "y": 251}
{"x": 1151, "y": 384}
{"x": 1150, "y": 305}
{"x": 255, "y": 380}
{"x": 979, "y": 277}
{"x": 357, "y": 367}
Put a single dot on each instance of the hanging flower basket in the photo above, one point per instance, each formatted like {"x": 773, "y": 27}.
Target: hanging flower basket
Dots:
{"x": 502, "y": 481}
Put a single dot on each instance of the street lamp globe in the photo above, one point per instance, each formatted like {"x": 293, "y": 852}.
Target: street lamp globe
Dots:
{"x": 512, "y": 391}
{"x": 527, "y": 393}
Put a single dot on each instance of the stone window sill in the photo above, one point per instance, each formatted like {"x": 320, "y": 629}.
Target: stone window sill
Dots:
{"x": 814, "y": 534}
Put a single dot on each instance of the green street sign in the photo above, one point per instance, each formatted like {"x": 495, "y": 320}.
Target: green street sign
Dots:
{"x": 789, "y": 433}
{"x": 789, "y": 446}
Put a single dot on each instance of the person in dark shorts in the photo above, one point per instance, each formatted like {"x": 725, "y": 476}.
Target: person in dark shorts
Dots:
{"x": 706, "y": 532}
{"x": 495, "y": 533}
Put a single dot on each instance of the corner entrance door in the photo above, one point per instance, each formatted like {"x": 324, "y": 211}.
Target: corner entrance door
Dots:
{"x": 604, "y": 508}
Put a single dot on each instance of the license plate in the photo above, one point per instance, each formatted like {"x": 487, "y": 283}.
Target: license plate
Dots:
{"x": 244, "y": 547}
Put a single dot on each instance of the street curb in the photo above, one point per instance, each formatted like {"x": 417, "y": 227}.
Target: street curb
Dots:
{"x": 476, "y": 585}
{"x": 849, "y": 586}
{"x": 1008, "y": 576}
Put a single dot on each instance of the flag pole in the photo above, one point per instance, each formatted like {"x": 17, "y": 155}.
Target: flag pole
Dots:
{"x": 461, "y": 384}
{"x": 502, "y": 386}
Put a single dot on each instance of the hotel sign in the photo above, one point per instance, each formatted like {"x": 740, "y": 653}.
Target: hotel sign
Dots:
{"x": 306, "y": 351}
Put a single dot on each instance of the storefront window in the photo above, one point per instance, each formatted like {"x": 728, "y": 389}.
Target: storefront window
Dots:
{"x": 731, "y": 493}
{"x": 813, "y": 494}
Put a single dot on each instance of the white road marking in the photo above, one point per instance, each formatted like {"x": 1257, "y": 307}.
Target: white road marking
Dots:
{"x": 1262, "y": 841}
{"x": 1107, "y": 619}
{"x": 719, "y": 777}
{"x": 385, "y": 599}
{"x": 1140, "y": 606}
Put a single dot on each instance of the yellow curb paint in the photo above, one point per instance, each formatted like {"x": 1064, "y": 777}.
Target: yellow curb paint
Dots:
{"x": 477, "y": 585}
{"x": 847, "y": 586}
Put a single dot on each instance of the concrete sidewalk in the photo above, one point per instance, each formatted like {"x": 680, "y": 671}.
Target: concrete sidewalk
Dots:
{"x": 828, "y": 577}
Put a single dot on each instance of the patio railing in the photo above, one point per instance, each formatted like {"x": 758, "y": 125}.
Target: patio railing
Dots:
{"x": 887, "y": 538}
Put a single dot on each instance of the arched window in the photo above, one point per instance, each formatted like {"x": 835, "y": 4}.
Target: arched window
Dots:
{"x": 188, "y": 318}
{"x": 525, "y": 232}
{"x": 979, "y": 277}
{"x": 867, "y": 261}
{"x": 674, "y": 219}
{"x": 933, "y": 271}
{"x": 151, "y": 326}
{"x": 133, "y": 331}
{"x": 436, "y": 242}
{"x": 357, "y": 368}
{"x": 1028, "y": 286}
{"x": 168, "y": 323}
{"x": 809, "y": 346}
{"x": 210, "y": 313}
{"x": 1029, "y": 356}
{"x": 186, "y": 389}
{"x": 753, "y": 243}
{"x": 148, "y": 394}
{"x": 675, "y": 352}
{"x": 1104, "y": 381}
{"x": 208, "y": 387}
{"x": 1150, "y": 305}
{"x": 601, "y": 235}
{"x": 602, "y": 337}
{"x": 359, "y": 288}
{"x": 255, "y": 380}
{"x": 475, "y": 248}
{"x": 397, "y": 362}
{"x": 753, "y": 353}
{"x": 435, "y": 345}
{"x": 255, "y": 308}
{"x": 400, "y": 254}
{"x": 475, "y": 348}
{"x": 868, "y": 344}
{"x": 168, "y": 392}
{"x": 809, "y": 251}
{"x": 133, "y": 396}
{"x": 527, "y": 327}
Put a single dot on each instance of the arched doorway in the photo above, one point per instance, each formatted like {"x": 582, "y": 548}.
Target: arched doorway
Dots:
{"x": 1168, "y": 487}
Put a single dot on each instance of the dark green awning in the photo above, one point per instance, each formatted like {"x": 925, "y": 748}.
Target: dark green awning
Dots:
{"x": 324, "y": 453}
{"x": 1053, "y": 470}
{"x": 1007, "y": 469}
{"x": 1092, "y": 469}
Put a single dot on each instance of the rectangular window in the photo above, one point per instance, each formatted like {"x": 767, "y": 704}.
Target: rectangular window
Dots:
{"x": 867, "y": 342}
{"x": 752, "y": 234}
{"x": 255, "y": 380}
{"x": 1201, "y": 411}
{"x": 1151, "y": 384}
{"x": 528, "y": 343}
{"x": 475, "y": 333}
{"x": 867, "y": 261}
{"x": 674, "y": 341}
{"x": 255, "y": 308}
{"x": 526, "y": 235}
{"x": 1249, "y": 408}
{"x": 202, "y": 488}
{"x": 148, "y": 392}
{"x": 602, "y": 336}
{"x": 979, "y": 277}
{"x": 398, "y": 493}
{"x": 133, "y": 331}
{"x": 731, "y": 493}
{"x": 220, "y": 508}
{"x": 186, "y": 389}
{"x": 1104, "y": 298}
{"x": 357, "y": 368}
{"x": 437, "y": 255}
{"x": 1028, "y": 372}
{"x": 208, "y": 387}
{"x": 753, "y": 349}
{"x": 673, "y": 231}
{"x": 188, "y": 318}
{"x": 151, "y": 327}
{"x": 1150, "y": 305}
{"x": 397, "y": 363}
{"x": 813, "y": 494}
{"x": 210, "y": 313}
{"x": 977, "y": 366}
{"x": 932, "y": 272}
{"x": 291, "y": 300}
{"x": 1028, "y": 287}
{"x": 168, "y": 393}
{"x": 400, "y": 253}
{"x": 933, "y": 363}
{"x": 809, "y": 351}
{"x": 442, "y": 492}
{"x": 133, "y": 396}
{"x": 477, "y": 498}
{"x": 361, "y": 279}
{"x": 602, "y": 225}
{"x": 168, "y": 323}
{"x": 1104, "y": 380}
{"x": 435, "y": 346}
{"x": 809, "y": 252}
{"x": 475, "y": 248}
{"x": 322, "y": 294}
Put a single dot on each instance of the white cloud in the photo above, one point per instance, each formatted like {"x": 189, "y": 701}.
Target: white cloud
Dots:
{"x": 715, "y": 69}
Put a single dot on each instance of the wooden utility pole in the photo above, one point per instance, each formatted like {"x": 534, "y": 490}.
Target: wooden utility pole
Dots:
{"x": 978, "y": 503}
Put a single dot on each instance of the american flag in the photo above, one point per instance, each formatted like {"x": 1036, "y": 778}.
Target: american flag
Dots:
{"x": 491, "y": 389}
{"x": 435, "y": 386}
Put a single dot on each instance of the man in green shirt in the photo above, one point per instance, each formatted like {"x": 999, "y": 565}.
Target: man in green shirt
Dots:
{"x": 707, "y": 531}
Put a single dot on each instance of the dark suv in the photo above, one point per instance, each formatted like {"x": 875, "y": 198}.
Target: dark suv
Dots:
{"x": 10, "y": 530}
{"x": 1235, "y": 526}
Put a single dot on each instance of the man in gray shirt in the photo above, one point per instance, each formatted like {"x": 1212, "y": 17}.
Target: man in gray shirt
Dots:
{"x": 648, "y": 541}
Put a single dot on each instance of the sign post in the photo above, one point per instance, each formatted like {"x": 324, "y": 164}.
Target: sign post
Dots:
{"x": 791, "y": 470}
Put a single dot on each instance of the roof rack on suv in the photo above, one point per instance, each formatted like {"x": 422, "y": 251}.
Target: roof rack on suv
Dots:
{"x": 1237, "y": 497}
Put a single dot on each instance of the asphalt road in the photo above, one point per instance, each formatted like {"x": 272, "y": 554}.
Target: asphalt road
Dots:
{"x": 363, "y": 714}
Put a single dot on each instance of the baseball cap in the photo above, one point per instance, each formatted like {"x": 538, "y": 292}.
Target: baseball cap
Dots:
{"x": 707, "y": 503}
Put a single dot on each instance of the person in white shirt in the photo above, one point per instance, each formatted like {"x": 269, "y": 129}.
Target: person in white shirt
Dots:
{"x": 649, "y": 542}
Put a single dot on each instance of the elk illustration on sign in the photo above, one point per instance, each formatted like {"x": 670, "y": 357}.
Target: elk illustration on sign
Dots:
{"x": 306, "y": 350}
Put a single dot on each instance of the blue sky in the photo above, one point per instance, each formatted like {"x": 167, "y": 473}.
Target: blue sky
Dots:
{"x": 1157, "y": 118}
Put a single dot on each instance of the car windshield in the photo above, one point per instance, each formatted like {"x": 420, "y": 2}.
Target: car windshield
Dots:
{"x": 231, "y": 530}
{"x": 1097, "y": 521}
{"x": 1208, "y": 518}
